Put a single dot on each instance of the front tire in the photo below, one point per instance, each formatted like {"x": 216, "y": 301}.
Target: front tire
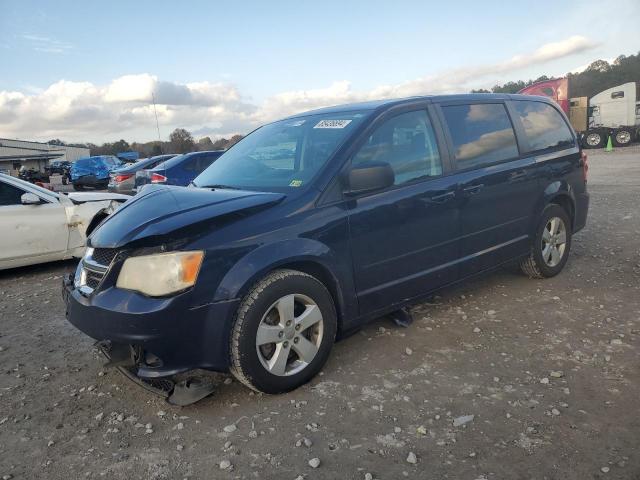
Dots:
{"x": 551, "y": 244}
{"x": 283, "y": 332}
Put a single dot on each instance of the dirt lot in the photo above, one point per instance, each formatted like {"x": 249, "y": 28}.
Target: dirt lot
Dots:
{"x": 548, "y": 370}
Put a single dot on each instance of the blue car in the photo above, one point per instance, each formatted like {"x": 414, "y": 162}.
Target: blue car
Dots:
{"x": 179, "y": 170}
{"x": 93, "y": 171}
{"x": 313, "y": 225}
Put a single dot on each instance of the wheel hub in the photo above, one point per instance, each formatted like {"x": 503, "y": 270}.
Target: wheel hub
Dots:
{"x": 289, "y": 335}
{"x": 554, "y": 240}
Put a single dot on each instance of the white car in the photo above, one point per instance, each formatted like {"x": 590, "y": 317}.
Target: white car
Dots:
{"x": 38, "y": 225}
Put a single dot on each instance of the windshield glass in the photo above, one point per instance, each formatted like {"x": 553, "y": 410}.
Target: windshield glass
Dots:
{"x": 282, "y": 155}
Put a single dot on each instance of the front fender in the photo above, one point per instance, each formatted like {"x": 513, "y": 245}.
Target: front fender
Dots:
{"x": 256, "y": 264}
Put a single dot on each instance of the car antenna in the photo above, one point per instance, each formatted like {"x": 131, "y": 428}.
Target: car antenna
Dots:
{"x": 153, "y": 98}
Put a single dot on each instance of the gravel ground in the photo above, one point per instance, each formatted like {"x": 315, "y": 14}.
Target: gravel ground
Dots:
{"x": 500, "y": 378}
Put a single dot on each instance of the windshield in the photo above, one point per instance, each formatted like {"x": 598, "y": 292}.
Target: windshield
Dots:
{"x": 282, "y": 155}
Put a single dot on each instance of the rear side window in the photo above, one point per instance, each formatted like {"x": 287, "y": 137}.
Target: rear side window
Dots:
{"x": 543, "y": 125}
{"x": 407, "y": 143}
{"x": 481, "y": 133}
{"x": 199, "y": 163}
{"x": 9, "y": 195}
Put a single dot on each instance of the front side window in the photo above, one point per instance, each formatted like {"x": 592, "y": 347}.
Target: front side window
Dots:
{"x": 543, "y": 125}
{"x": 481, "y": 133}
{"x": 10, "y": 195}
{"x": 407, "y": 143}
{"x": 283, "y": 155}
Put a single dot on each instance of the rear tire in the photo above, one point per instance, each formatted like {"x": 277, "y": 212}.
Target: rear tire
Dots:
{"x": 283, "y": 332}
{"x": 551, "y": 244}
{"x": 622, "y": 137}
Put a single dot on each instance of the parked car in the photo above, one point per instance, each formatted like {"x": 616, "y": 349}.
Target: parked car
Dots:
{"x": 122, "y": 180}
{"x": 39, "y": 225}
{"x": 312, "y": 225}
{"x": 60, "y": 167}
{"x": 93, "y": 171}
{"x": 179, "y": 170}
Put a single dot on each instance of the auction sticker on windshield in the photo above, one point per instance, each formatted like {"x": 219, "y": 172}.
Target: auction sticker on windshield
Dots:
{"x": 332, "y": 123}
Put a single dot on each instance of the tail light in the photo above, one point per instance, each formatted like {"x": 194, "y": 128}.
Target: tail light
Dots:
{"x": 585, "y": 166}
{"x": 157, "y": 178}
{"x": 122, "y": 178}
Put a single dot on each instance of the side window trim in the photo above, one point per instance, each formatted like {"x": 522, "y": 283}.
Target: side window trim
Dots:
{"x": 518, "y": 128}
{"x": 449, "y": 139}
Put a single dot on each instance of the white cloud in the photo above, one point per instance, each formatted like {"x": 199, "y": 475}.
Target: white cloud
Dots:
{"x": 82, "y": 111}
{"x": 47, "y": 44}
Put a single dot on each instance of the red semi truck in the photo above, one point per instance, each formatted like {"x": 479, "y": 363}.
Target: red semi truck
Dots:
{"x": 614, "y": 112}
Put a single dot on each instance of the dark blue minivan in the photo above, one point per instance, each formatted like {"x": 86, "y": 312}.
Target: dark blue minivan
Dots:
{"x": 312, "y": 225}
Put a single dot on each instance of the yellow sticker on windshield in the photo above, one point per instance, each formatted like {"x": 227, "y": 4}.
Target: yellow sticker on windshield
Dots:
{"x": 295, "y": 183}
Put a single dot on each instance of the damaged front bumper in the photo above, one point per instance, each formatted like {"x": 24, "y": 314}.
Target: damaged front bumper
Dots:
{"x": 150, "y": 339}
{"x": 179, "y": 392}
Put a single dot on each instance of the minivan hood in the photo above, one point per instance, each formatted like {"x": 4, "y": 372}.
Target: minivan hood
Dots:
{"x": 161, "y": 210}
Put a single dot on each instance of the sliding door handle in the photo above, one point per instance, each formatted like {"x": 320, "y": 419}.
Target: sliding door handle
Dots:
{"x": 473, "y": 189}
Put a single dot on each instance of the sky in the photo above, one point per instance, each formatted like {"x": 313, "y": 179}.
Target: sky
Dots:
{"x": 87, "y": 71}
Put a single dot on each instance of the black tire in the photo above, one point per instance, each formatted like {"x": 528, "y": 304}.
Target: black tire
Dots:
{"x": 246, "y": 365}
{"x": 595, "y": 139}
{"x": 534, "y": 264}
{"x": 65, "y": 180}
{"x": 623, "y": 137}
{"x": 78, "y": 188}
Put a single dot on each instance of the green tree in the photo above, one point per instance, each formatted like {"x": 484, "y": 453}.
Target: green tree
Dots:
{"x": 233, "y": 140}
{"x": 205, "y": 143}
{"x": 220, "y": 144}
{"x": 181, "y": 141}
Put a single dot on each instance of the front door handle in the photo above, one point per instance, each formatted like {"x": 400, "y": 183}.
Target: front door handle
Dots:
{"x": 442, "y": 198}
{"x": 472, "y": 190}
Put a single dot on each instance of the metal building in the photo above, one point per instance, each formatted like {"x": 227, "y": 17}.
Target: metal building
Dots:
{"x": 16, "y": 153}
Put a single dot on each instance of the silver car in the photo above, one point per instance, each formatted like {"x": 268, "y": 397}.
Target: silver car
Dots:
{"x": 123, "y": 179}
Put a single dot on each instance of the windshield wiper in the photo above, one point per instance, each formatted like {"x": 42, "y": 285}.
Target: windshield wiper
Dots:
{"x": 220, "y": 186}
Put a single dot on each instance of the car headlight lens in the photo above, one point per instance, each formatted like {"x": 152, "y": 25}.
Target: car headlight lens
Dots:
{"x": 160, "y": 274}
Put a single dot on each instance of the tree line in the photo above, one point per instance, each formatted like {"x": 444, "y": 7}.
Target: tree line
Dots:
{"x": 180, "y": 141}
{"x": 598, "y": 76}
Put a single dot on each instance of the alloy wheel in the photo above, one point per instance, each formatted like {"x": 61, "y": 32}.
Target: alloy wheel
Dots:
{"x": 554, "y": 241}
{"x": 289, "y": 335}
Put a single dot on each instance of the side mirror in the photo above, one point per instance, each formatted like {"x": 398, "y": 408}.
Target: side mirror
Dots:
{"x": 368, "y": 177}
{"x": 30, "y": 199}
